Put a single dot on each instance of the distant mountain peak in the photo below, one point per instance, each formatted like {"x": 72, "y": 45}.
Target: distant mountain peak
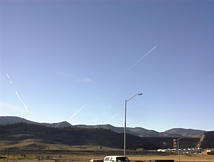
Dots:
{"x": 62, "y": 124}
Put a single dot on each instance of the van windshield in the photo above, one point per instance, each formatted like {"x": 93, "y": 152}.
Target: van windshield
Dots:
{"x": 122, "y": 159}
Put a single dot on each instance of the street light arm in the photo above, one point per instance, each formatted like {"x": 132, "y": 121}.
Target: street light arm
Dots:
{"x": 134, "y": 96}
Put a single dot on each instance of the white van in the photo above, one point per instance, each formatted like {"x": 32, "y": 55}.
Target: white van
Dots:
{"x": 116, "y": 159}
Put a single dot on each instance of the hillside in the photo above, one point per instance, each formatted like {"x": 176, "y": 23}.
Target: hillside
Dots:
{"x": 137, "y": 131}
{"x": 11, "y": 135}
{"x": 181, "y": 132}
{"x": 141, "y": 132}
{"x": 5, "y": 120}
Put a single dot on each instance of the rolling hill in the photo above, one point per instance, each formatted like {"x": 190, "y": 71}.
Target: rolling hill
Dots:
{"x": 15, "y": 135}
{"x": 6, "y": 120}
{"x": 141, "y": 132}
{"x": 137, "y": 131}
{"x": 181, "y": 132}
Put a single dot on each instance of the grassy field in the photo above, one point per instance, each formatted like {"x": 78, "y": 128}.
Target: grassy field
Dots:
{"x": 34, "y": 150}
{"x": 87, "y": 157}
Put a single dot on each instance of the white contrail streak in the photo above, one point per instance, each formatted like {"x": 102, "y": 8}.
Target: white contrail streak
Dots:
{"x": 21, "y": 100}
{"x": 141, "y": 58}
{"x": 76, "y": 113}
{"x": 17, "y": 94}
{"x": 9, "y": 78}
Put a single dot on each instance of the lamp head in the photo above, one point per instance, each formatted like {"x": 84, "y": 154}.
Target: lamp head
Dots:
{"x": 140, "y": 93}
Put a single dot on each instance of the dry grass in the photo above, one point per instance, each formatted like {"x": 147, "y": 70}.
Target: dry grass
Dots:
{"x": 85, "y": 153}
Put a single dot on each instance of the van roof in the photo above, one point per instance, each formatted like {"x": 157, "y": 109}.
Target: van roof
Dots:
{"x": 115, "y": 156}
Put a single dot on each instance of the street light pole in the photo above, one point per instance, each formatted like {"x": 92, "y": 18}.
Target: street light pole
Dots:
{"x": 125, "y": 129}
{"x": 126, "y": 101}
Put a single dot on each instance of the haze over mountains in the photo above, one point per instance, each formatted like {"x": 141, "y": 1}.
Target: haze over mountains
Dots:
{"x": 137, "y": 131}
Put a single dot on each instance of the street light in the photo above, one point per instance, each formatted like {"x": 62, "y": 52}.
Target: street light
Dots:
{"x": 126, "y": 101}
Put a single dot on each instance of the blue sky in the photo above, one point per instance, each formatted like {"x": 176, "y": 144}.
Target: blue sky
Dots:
{"x": 78, "y": 60}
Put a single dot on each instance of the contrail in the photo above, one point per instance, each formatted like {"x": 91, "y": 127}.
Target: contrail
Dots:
{"x": 17, "y": 94}
{"x": 9, "y": 78}
{"x": 20, "y": 99}
{"x": 141, "y": 58}
{"x": 76, "y": 113}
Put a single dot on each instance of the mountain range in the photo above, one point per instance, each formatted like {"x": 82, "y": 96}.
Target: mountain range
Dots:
{"x": 142, "y": 132}
{"x": 136, "y": 131}
{"x": 18, "y": 133}
{"x": 22, "y": 136}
